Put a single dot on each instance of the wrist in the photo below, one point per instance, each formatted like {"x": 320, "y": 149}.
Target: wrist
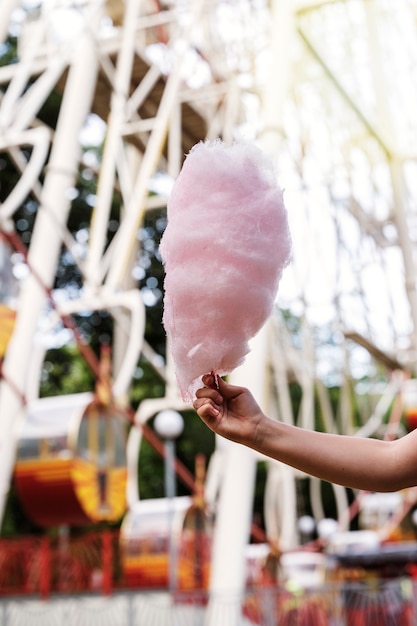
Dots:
{"x": 262, "y": 432}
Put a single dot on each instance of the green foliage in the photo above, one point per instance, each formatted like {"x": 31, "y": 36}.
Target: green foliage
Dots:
{"x": 259, "y": 495}
{"x": 146, "y": 383}
{"x": 151, "y": 277}
{"x": 8, "y": 51}
{"x": 15, "y": 520}
{"x": 65, "y": 371}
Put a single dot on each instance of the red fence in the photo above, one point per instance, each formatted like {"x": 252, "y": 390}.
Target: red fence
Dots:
{"x": 48, "y": 566}
{"x": 60, "y": 564}
{"x": 92, "y": 562}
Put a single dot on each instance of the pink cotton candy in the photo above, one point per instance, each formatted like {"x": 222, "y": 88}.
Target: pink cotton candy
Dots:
{"x": 224, "y": 250}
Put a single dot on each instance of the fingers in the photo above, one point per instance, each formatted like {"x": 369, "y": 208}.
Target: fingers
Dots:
{"x": 209, "y": 392}
{"x": 210, "y": 380}
{"x": 206, "y": 409}
{"x": 226, "y": 390}
{"x": 208, "y": 400}
{"x": 207, "y": 403}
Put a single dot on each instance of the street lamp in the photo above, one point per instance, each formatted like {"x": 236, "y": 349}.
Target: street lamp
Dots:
{"x": 169, "y": 425}
{"x": 306, "y": 527}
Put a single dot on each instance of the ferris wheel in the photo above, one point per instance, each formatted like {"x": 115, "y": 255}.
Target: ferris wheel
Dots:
{"x": 328, "y": 89}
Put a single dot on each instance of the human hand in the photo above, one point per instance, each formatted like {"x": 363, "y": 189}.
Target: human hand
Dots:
{"x": 228, "y": 410}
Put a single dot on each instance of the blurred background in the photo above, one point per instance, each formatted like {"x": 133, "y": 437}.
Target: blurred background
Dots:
{"x": 100, "y": 101}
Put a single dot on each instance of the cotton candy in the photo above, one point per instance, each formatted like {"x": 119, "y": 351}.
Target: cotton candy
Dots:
{"x": 224, "y": 250}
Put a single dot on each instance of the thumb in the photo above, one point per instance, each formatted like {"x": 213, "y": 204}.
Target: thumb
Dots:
{"x": 226, "y": 390}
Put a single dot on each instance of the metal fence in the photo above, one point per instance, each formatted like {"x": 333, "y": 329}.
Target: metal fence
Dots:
{"x": 367, "y": 603}
{"x": 81, "y": 581}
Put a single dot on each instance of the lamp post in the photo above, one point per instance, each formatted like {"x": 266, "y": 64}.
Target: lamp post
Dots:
{"x": 169, "y": 425}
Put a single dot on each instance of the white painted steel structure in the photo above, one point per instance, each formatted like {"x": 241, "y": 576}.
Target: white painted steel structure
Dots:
{"x": 329, "y": 89}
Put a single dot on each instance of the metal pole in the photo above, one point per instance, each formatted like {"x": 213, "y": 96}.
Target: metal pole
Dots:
{"x": 113, "y": 144}
{"x": 234, "y": 514}
{"x": 169, "y": 425}
{"x": 7, "y": 7}
{"x": 170, "y": 492}
{"x": 170, "y": 487}
{"x": 282, "y": 36}
{"x": 44, "y": 249}
{"x": 395, "y": 162}
{"x": 232, "y": 531}
{"x": 125, "y": 237}
{"x": 406, "y": 246}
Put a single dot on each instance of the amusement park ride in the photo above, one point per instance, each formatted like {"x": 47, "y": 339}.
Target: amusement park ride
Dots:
{"x": 327, "y": 88}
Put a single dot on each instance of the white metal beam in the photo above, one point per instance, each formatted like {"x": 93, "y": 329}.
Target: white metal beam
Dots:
{"x": 44, "y": 251}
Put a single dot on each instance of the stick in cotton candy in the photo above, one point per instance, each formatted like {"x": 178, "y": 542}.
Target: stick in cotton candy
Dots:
{"x": 224, "y": 250}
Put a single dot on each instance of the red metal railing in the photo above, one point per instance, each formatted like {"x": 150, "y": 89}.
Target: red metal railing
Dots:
{"x": 89, "y": 562}
{"x": 92, "y": 562}
{"x": 46, "y": 565}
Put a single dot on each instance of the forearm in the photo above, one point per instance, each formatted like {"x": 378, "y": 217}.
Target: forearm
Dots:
{"x": 356, "y": 462}
{"x": 360, "y": 463}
